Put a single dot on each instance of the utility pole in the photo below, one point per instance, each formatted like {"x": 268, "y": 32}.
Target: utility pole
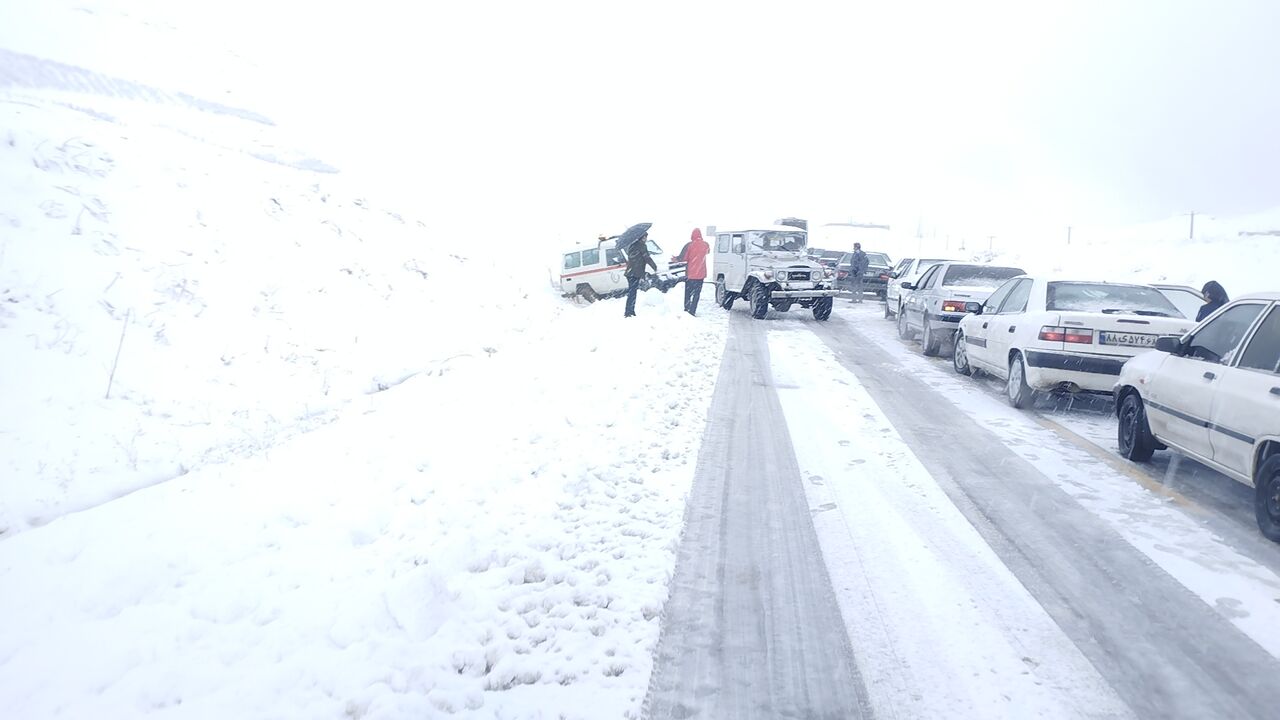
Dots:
{"x": 1068, "y": 234}
{"x": 1193, "y": 224}
{"x": 991, "y": 241}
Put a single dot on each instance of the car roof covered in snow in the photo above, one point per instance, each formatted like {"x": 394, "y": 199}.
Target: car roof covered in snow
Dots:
{"x": 1268, "y": 296}
{"x": 761, "y": 228}
{"x": 1058, "y": 277}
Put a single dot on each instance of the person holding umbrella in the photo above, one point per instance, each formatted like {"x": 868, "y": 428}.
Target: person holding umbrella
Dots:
{"x": 634, "y": 242}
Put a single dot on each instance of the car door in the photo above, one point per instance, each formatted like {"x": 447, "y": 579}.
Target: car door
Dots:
{"x": 916, "y": 304}
{"x": 736, "y": 262}
{"x": 1247, "y": 404}
{"x": 1179, "y": 398}
{"x": 1004, "y": 324}
{"x": 976, "y": 333}
{"x": 617, "y": 265}
{"x": 893, "y": 293}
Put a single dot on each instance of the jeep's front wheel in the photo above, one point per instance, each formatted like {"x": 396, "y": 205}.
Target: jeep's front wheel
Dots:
{"x": 759, "y": 301}
{"x": 588, "y": 293}
{"x": 822, "y": 309}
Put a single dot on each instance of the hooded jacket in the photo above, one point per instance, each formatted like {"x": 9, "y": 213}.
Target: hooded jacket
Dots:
{"x": 1216, "y": 296}
{"x": 695, "y": 256}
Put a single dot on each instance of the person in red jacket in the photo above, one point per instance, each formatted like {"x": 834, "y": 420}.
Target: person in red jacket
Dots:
{"x": 695, "y": 257}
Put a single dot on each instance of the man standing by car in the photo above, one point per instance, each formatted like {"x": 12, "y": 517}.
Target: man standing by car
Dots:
{"x": 695, "y": 257}
{"x": 637, "y": 257}
{"x": 857, "y": 267}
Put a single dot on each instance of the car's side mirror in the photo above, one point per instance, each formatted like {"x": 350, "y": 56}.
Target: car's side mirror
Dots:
{"x": 978, "y": 310}
{"x": 906, "y": 285}
{"x": 1171, "y": 345}
{"x": 893, "y": 275}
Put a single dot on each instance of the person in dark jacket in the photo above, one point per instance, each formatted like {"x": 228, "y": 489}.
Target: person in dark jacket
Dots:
{"x": 637, "y": 257}
{"x": 1215, "y": 297}
{"x": 857, "y": 267}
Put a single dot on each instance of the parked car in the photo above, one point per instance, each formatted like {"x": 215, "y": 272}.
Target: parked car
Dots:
{"x": 943, "y": 296}
{"x": 769, "y": 267}
{"x": 874, "y": 279}
{"x": 826, "y": 258}
{"x": 594, "y": 270}
{"x": 1187, "y": 299}
{"x": 909, "y": 270}
{"x": 1214, "y": 395}
{"x": 1062, "y": 336}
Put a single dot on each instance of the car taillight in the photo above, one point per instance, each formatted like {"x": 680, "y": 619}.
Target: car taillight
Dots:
{"x": 954, "y": 306}
{"x": 1065, "y": 334}
{"x": 843, "y": 274}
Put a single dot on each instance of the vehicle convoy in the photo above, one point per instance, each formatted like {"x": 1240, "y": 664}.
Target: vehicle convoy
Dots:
{"x": 943, "y": 296}
{"x": 874, "y": 278}
{"x": 1062, "y": 336}
{"x": 594, "y": 270}
{"x": 769, "y": 267}
{"x": 908, "y": 270}
{"x": 1213, "y": 394}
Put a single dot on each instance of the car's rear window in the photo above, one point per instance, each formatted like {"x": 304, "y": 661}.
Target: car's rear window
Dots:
{"x": 1107, "y": 298}
{"x": 984, "y": 276}
{"x": 878, "y": 259}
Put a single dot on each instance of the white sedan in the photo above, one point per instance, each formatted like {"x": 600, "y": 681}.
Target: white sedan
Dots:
{"x": 909, "y": 271}
{"x": 1043, "y": 335}
{"x": 1213, "y": 394}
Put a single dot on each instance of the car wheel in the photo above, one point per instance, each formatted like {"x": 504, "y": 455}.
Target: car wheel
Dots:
{"x": 1133, "y": 433}
{"x": 1017, "y": 390}
{"x": 1267, "y": 482}
{"x": 930, "y": 344}
{"x": 887, "y": 312}
{"x": 759, "y": 301}
{"x": 904, "y": 330}
{"x": 822, "y": 309}
{"x": 960, "y": 357}
{"x": 586, "y": 292}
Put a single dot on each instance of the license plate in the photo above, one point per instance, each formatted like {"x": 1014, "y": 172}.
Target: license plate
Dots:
{"x": 799, "y": 276}
{"x": 1127, "y": 339}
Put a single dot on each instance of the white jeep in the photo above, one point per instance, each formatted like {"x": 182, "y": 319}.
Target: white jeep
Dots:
{"x": 769, "y": 267}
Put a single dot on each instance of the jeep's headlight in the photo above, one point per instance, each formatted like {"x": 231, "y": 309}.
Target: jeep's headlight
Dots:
{"x": 814, "y": 275}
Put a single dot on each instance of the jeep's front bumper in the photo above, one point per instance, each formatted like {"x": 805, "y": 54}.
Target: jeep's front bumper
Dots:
{"x": 803, "y": 293}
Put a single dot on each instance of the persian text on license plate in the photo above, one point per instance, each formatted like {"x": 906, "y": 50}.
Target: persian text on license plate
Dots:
{"x": 1129, "y": 339}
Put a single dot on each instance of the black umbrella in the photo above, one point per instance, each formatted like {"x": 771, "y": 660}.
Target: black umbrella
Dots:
{"x": 632, "y": 234}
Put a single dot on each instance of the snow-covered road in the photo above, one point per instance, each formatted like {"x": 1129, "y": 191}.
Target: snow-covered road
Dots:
{"x": 986, "y": 562}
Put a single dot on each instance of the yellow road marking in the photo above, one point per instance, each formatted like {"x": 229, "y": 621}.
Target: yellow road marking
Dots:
{"x": 1115, "y": 462}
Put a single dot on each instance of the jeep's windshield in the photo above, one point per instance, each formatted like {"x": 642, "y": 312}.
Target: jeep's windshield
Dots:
{"x": 780, "y": 240}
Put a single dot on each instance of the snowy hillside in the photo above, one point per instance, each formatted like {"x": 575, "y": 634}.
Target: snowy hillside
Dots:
{"x": 270, "y": 446}
{"x": 247, "y": 299}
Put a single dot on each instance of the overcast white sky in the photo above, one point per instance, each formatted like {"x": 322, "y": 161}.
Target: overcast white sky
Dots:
{"x": 976, "y": 116}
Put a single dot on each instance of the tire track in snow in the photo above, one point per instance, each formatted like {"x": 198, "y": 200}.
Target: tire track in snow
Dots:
{"x": 750, "y": 629}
